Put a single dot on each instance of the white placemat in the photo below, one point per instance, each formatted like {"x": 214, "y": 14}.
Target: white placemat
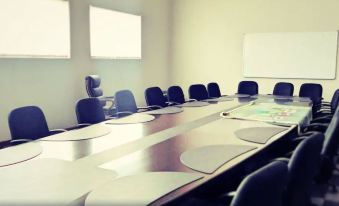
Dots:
{"x": 132, "y": 119}
{"x": 19, "y": 153}
{"x": 258, "y": 134}
{"x": 140, "y": 189}
{"x": 194, "y": 104}
{"x": 166, "y": 110}
{"x": 90, "y": 132}
{"x": 208, "y": 159}
{"x": 48, "y": 182}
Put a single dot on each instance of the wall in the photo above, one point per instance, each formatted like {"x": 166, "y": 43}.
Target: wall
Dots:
{"x": 56, "y": 85}
{"x": 208, "y": 34}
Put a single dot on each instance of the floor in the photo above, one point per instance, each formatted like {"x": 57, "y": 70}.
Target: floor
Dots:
{"x": 324, "y": 196}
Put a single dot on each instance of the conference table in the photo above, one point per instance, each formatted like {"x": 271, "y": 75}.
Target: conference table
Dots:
{"x": 155, "y": 162}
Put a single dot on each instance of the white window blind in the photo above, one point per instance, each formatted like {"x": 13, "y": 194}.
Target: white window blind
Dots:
{"x": 34, "y": 29}
{"x": 114, "y": 35}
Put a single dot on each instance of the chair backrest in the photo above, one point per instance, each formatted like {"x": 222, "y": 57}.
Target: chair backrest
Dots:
{"x": 213, "y": 90}
{"x": 89, "y": 110}
{"x": 335, "y": 100}
{"x": 28, "y": 123}
{"x": 198, "y": 92}
{"x": 248, "y": 87}
{"x": 93, "y": 86}
{"x": 263, "y": 187}
{"x": 175, "y": 94}
{"x": 313, "y": 91}
{"x": 302, "y": 167}
{"x": 155, "y": 96}
{"x": 283, "y": 89}
{"x": 125, "y": 101}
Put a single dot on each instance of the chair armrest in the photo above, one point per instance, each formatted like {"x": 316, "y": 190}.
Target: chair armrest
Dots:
{"x": 172, "y": 103}
{"x": 192, "y": 100}
{"x": 57, "y": 131}
{"x": 320, "y": 127}
{"x": 323, "y": 119}
{"x": 19, "y": 141}
{"x": 152, "y": 107}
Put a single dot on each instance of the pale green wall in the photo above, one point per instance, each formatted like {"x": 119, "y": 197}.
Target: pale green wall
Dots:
{"x": 56, "y": 85}
{"x": 208, "y": 36}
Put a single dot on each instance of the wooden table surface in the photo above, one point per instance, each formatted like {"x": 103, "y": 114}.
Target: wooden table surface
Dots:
{"x": 157, "y": 145}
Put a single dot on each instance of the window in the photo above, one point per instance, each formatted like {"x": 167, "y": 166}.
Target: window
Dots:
{"x": 114, "y": 35}
{"x": 34, "y": 29}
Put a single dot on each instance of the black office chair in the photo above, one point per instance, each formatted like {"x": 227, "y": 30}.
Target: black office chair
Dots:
{"x": 303, "y": 166}
{"x": 213, "y": 90}
{"x": 327, "y": 109}
{"x": 94, "y": 90}
{"x": 125, "y": 103}
{"x": 248, "y": 87}
{"x": 155, "y": 98}
{"x": 89, "y": 111}
{"x": 314, "y": 92}
{"x": 283, "y": 89}
{"x": 198, "y": 92}
{"x": 175, "y": 95}
{"x": 28, "y": 123}
{"x": 329, "y": 151}
{"x": 263, "y": 187}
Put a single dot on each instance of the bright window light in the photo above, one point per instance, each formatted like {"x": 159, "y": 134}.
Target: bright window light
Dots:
{"x": 34, "y": 29}
{"x": 114, "y": 35}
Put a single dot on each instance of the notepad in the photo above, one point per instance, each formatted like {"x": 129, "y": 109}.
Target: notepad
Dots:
{"x": 19, "y": 153}
{"x": 258, "y": 135}
{"x": 90, "y": 132}
{"x": 208, "y": 159}
{"x": 166, "y": 110}
{"x": 140, "y": 189}
{"x": 132, "y": 119}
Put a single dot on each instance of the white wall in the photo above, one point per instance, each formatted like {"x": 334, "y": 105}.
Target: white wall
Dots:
{"x": 208, "y": 37}
{"x": 56, "y": 85}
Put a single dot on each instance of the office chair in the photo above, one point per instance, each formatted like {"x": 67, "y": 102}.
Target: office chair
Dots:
{"x": 198, "y": 92}
{"x": 176, "y": 95}
{"x": 94, "y": 90}
{"x": 283, "y": 89}
{"x": 248, "y": 87}
{"x": 327, "y": 109}
{"x": 314, "y": 92}
{"x": 302, "y": 167}
{"x": 89, "y": 111}
{"x": 155, "y": 98}
{"x": 125, "y": 103}
{"x": 263, "y": 187}
{"x": 28, "y": 123}
{"x": 213, "y": 90}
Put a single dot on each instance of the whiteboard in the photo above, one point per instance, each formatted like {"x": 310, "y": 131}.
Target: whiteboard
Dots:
{"x": 34, "y": 29}
{"x": 305, "y": 55}
{"x": 114, "y": 35}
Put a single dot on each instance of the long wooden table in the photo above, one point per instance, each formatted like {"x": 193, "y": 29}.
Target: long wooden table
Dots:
{"x": 154, "y": 146}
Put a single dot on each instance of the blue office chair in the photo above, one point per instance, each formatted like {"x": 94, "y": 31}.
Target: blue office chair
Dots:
{"x": 327, "y": 109}
{"x": 248, "y": 87}
{"x": 89, "y": 111}
{"x": 93, "y": 90}
{"x": 125, "y": 103}
{"x": 303, "y": 166}
{"x": 283, "y": 89}
{"x": 28, "y": 123}
{"x": 263, "y": 187}
{"x": 176, "y": 95}
{"x": 314, "y": 92}
{"x": 329, "y": 151}
{"x": 198, "y": 92}
{"x": 213, "y": 90}
{"x": 155, "y": 98}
